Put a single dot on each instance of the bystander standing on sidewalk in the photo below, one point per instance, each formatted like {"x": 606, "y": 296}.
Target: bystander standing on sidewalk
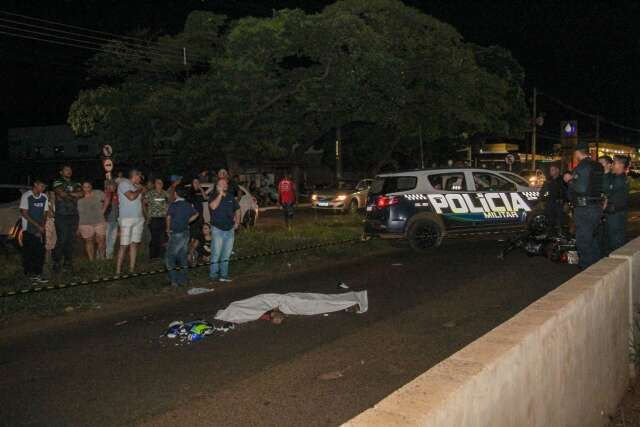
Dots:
{"x": 225, "y": 219}
{"x": 50, "y": 227}
{"x": 93, "y": 228}
{"x": 179, "y": 215}
{"x": 67, "y": 194}
{"x": 197, "y": 197}
{"x": 111, "y": 217}
{"x": 33, "y": 208}
{"x": 131, "y": 219}
{"x": 156, "y": 202}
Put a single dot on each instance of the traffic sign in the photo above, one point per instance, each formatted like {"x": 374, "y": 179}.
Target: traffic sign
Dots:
{"x": 509, "y": 159}
{"x": 107, "y": 164}
{"x": 107, "y": 150}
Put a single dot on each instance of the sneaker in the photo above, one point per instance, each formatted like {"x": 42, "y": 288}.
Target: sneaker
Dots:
{"x": 42, "y": 280}
{"x": 225, "y": 280}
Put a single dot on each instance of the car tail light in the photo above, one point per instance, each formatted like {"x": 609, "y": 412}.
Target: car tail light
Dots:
{"x": 386, "y": 201}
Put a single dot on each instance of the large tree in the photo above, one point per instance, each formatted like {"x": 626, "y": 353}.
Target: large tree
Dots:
{"x": 271, "y": 87}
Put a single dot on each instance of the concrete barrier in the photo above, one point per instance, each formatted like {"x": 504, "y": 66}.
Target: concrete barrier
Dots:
{"x": 562, "y": 361}
{"x": 631, "y": 252}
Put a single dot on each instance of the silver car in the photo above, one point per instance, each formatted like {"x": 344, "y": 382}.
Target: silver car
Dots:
{"x": 10, "y": 196}
{"x": 349, "y": 198}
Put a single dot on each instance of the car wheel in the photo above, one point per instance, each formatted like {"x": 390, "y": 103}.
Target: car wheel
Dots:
{"x": 353, "y": 206}
{"x": 424, "y": 234}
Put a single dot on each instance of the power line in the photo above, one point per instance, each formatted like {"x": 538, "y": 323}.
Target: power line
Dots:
{"x": 136, "y": 45}
{"x": 90, "y": 43}
{"x": 173, "y": 53}
{"x": 62, "y": 43}
{"x": 584, "y": 113}
{"x": 135, "y": 41}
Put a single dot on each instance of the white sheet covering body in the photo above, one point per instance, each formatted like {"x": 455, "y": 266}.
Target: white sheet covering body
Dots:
{"x": 250, "y": 309}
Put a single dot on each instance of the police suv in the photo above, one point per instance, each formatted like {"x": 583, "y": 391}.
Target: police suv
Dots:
{"x": 424, "y": 206}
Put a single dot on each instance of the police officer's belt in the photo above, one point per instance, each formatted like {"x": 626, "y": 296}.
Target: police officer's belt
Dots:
{"x": 588, "y": 201}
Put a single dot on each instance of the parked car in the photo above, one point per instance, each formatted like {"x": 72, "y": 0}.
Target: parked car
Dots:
{"x": 349, "y": 198}
{"x": 425, "y": 206}
{"x": 10, "y": 206}
{"x": 249, "y": 209}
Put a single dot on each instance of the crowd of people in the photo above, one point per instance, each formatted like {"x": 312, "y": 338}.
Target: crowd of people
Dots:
{"x": 599, "y": 193}
{"x": 174, "y": 215}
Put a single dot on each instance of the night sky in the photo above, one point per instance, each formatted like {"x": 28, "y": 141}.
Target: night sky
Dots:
{"x": 584, "y": 52}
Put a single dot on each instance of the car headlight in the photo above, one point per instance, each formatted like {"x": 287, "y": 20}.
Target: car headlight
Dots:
{"x": 314, "y": 197}
{"x": 532, "y": 179}
{"x": 341, "y": 197}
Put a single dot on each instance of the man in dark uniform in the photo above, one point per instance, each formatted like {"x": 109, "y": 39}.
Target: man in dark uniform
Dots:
{"x": 553, "y": 193}
{"x": 586, "y": 193}
{"x": 616, "y": 205}
{"x": 607, "y": 165}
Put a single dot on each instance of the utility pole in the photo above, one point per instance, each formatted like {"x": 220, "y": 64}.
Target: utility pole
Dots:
{"x": 339, "y": 156}
{"x": 533, "y": 131}
{"x": 597, "y": 136}
{"x": 421, "y": 147}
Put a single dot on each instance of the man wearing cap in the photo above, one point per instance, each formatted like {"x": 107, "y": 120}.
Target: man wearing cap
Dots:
{"x": 586, "y": 193}
{"x": 616, "y": 205}
{"x": 175, "y": 181}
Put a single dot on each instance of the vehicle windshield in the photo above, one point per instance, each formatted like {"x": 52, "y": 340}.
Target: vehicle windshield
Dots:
{"x": 392, "y": 184}
{"x": 517, "y": 178}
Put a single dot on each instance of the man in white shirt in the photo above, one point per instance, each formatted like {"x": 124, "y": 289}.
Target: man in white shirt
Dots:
{"x": 33, "y": 208}
{"x": 131, "y": 219}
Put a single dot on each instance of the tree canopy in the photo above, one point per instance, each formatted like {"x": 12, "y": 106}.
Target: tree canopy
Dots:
{"x": 272, "y": 87}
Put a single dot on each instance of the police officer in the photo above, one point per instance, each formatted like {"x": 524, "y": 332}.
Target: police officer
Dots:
{"x": 607, "y": 165}
{"x": 586, "y": 192}
{"x": 616, "y": 205}
{"x": 553, "y": 192}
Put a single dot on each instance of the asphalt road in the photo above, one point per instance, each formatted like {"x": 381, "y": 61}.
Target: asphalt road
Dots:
{"x": 110, "y": 367}
{"x": 311, "y": 371}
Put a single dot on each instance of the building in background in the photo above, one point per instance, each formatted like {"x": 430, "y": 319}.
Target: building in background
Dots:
{"x": 49, "y": 143}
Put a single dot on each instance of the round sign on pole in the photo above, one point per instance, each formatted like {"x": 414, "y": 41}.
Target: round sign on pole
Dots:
{"x": 107, "y": 164}
{"x": 509, "y": 159}
{"x": 107, "y": 150}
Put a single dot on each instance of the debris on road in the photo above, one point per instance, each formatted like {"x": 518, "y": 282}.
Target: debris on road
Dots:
{"x": 396, "y": 264}
{"x": 343, "y": 285}
{"x": 333, "y": 375}
{"x": 309, "y": 304}
{"x": 122, "y": 322}
{"x": 189, "y": 331}
{"x": 198, "y": 291}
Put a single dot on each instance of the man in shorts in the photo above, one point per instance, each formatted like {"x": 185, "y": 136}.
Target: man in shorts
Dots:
{"x": 131, "y": 219}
